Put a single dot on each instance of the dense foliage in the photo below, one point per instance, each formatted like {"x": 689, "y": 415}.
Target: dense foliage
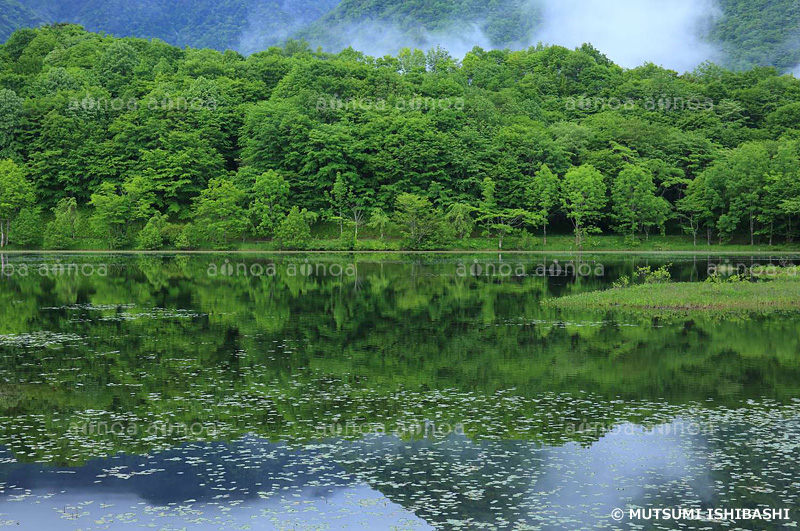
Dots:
{"x": 121, "y": 134}
{"x": 14, "y": 15}
{"x": 749, "y": 33}
{"x": 503, "y": 22}
{"x": 237, "y": 24}
{"x": 759, "y": 32}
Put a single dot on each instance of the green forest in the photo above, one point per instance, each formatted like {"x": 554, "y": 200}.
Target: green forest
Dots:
{"x": 202, "y": 23}
{"x": 128, "y": 143}
{"x": 747, "y": 33}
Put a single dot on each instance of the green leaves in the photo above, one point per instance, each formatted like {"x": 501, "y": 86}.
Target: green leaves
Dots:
{"x": 420, "y": 224}
{"x": 294, "y": 231}
{"x": 124, "y": 125}
{"x": 269, "y": 202}
{"x": 583, "y": 197}
{"x": 218, "y": 213}
{"x": 16, "y": 192}
{"x": 636, "y": 208}
{"x": 499, "y": 221}
{"x": 61, "y": 233}
{"x": 111, "y": 215}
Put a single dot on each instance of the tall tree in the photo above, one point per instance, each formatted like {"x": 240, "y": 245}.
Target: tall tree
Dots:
{"x": 419, "y": 223}
{"x": 16, "y": 192}
{"x": 583, "y": 197}
{"x": 269, "y": 202}
{"x": 379, "y": 220}
{"x": 544, "y": 192}
{"x": 501, "y": 221}
{"x": 635, "y": 206}
{"x": 62, "y": 232}
{"x": 218, "y": 212}
{"x": 459, "y": 215}
{"x": 339, "y": 199}
{"x": 112, "y": 213}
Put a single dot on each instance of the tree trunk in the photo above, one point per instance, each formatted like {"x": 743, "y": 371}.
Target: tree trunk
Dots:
{"x": 771, "y": 228}
{"x": 694, "y": 237}
{"x": 708, "y": 235}
{"x": 751, "y": 229}
{"x": 2, "y": 235}
{"x": 501, "y": 242}
{"x": 545, "y": 233}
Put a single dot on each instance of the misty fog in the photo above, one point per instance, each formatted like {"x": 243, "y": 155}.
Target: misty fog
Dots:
{"x": 630, "y": 32}
{"x": 379, "y": 39}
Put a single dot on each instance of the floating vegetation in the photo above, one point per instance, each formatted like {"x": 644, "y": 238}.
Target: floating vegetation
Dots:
{"x": 41, "y": 339}
{"x": 418, "y": 401}
{"x": 154, "y": 313}
{"x": 720, "y": 457}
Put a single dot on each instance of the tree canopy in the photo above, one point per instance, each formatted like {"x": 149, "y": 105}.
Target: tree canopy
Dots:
{"x": 505, "y": 140}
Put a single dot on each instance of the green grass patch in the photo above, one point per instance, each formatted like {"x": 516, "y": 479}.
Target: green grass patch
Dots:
{"x": 765, "y": 294}
{"x": 325, "y": 238}
{"x": 556, "y": 243}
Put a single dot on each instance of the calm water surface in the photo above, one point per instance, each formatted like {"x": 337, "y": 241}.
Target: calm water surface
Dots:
{"x": 380, "y": 392}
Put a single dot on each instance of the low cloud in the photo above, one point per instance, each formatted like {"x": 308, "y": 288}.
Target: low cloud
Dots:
{"x": 378, "y": 39}
{"x": 632, "y": 32}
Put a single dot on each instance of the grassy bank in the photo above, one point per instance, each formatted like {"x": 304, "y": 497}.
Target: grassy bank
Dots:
{"x": 779, "y": 291}
{"x": 558, "y": 243}
{"x": 565, "y": 243}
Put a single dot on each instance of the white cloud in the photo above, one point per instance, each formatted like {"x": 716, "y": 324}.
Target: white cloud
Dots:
{"x": 378, "y": 39}
{"x": 632, "y": 32}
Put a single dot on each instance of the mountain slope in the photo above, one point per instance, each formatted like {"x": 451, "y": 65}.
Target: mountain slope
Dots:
{"x": 759, "y": 32}
{"x": 384, "y": 25}
{"x": 220, "y": 24}
{"x": 14, "y": 15}
{"x": 741, "y": 33}
{"x": 745, "y": 33}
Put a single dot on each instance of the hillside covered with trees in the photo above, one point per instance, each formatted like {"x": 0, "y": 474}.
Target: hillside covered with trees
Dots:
{"x": 759, "y": 33}
{"x": 243, "y": 25}
{"x": 130, "y": 143}
{"x": 747, "y": 33}
{"x": 13, "y": 16}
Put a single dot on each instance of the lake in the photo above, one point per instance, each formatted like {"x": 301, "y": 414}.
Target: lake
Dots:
{"x": 425, "y": 391}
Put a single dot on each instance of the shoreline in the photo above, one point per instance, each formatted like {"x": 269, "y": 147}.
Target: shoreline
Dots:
{"x": 444, "y": 252}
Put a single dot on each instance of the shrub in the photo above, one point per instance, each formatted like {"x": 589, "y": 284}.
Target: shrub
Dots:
{"x": 151, "y": 237}
{"x": 61, "y": 232}
{"x": 659, "y": 276}
{"x": 294, "y": 231}
{"x": 188, "y": 238}
{"x": 28, "y": 229}
{"x": 420, "y": 224}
